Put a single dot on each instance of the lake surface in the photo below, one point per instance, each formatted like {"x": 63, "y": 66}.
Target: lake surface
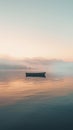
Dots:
{"x": 35, "y": 103}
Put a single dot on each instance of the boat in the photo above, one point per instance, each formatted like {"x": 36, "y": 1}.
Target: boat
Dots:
{"x": 37, "y": 74}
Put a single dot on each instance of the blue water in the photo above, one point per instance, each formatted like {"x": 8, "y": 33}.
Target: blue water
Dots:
{"x": 36, "y": 103}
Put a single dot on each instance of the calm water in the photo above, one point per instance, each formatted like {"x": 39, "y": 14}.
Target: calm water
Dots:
{"x": 35, "y": 103}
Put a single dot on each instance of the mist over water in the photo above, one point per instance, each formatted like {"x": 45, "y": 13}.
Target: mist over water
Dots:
{"x": 65, "y": 68}
{"x": 37, "y": 103}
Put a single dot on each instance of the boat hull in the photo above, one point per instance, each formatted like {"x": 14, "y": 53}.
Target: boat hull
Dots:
{"x": 41, "y": 74}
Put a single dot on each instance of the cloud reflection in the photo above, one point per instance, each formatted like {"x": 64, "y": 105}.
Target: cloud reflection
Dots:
{"x": 14, "y": 86}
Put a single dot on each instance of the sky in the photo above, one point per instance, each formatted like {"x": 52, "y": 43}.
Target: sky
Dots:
{"x": 36, "y": 28}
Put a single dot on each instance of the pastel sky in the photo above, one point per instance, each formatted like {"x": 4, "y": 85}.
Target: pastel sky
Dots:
{"x": 36, "y": 28}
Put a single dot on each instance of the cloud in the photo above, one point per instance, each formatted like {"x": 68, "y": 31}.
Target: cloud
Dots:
{"x": 7, "y": 63}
